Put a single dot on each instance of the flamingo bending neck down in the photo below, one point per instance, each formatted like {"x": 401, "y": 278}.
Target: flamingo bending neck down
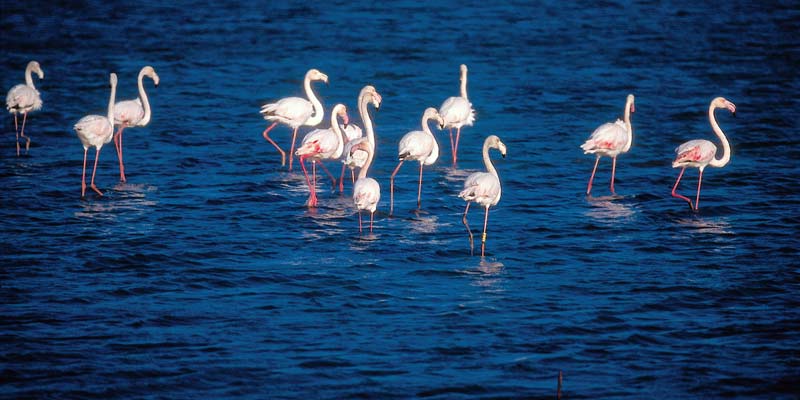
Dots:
{"x": 456, "y": 112}
{"x": 130, "y": 113}
{"x": 483, "y": 188}
{"x": 322, "y": 144}
{"x": 295, "y": 112}
{"x": 420, "y": 146}
{"x": 367, "y": 191}
{"x": 96, "y": 130}
{"x": 24, "y": 98}
{"x": 700, "y": 153}
{"x": 611, "y": 140}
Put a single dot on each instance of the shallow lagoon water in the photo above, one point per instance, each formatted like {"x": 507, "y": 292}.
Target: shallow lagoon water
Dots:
{"x": 205, "y": 275}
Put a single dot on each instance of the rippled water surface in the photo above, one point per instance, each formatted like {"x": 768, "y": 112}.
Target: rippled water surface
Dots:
{"x": 204, "y": 276}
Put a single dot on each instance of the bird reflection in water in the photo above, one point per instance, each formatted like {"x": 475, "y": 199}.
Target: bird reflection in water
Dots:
{"x": 605, "y": 210}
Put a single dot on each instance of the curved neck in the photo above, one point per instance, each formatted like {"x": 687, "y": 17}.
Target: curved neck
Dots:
{"x": 337, "y": 130}
{"x": 628, "y": 127}
{"x": 726, "y": 147}
{"x": 427, "y": 130}
{"x": 319, "y": 113}
{"x": 111, "y": 105}
{"x": 488, "y": 161}
{"x": 145, "y": 102}
{"x": 365, "y": 118}
{"x": 464, "y": 85}
{"x": 28, "y": 77}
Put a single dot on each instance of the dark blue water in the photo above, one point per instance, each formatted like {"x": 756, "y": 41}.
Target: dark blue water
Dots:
{"x": 205, "y": 277}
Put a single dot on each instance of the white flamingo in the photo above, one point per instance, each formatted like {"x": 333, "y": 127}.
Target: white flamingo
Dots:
{"x": 483, "y": 188}
{"x": 295, "y": 112}
{"x": 357, "y": 146}
{"x": 456, "y": 112}
{"x": 420, "y": 146}
{"x": 322, "y": 144}
{"x": 24, "y": 98}
{"x": 367, "y": 191}
{"x": 700, "y": 153}
{"x": 611, "y": 140}
{"x": 130, "y": 113}
{"x": 96, "y": 130}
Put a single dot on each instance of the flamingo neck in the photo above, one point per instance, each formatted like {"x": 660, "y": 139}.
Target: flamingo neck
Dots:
{"x": 464, "y": 85}
{"x": 365, "y": 118}
{"x": 145, "y": 102}
{"x": 628, "y": 126}
{"x": 726, "y": 147}
{"x": 28, "y": 77}
{"x": 427, "y": 129}
{"x": 319, "y": 112}
{"x": 111, "y": 105}
{"x": 488, "y": 161}
{"x": 337, "y": 130}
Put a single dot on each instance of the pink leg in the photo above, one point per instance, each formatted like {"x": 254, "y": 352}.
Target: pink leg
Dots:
{"x": 118, "y": 146}
{"x": 483, "y": 238}
{"x": 676, "y": 187}
{"x": 341, "y": 179}
{"x": 16, "y": 130}
{"x": 359, "y": 221}
{"x": 371, "y": 214}
{"x": 419, "y": 189}
{"x": 613, "y": 172}
{"x": 391, "y": 187}
{"x": 266, "y": 136}
{"x": 591, "y": 178}
{"x": 312, "y": 201}
{"x": 83, "y": 175}
{"x": 308, "y": 181}
{"x": 291, "y": 152}
{"x": 353, "y": 176}
{"x": 452, "y": 146}
{"x": 699, "y": 182}
{"x": 455, "y": 150}
{"x": 330, "y": 175}
{"x": 466, "y": 224}
{"x": 94, "y": 170}
{"x": 22, "y": 132}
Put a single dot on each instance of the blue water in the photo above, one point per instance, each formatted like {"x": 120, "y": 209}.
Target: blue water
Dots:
{"x": 204, "y": 276}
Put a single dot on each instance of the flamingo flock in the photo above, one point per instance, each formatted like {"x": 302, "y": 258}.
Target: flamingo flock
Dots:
{"x": 356, "y": 148}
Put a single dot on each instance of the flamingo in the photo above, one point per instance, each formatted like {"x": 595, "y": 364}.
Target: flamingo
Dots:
{"x": 130, "y": 113}
{"x": 295, "y": 112}
{"x": 457, "y": 111}
{"x": 96, "y": 130}
{"x": 483, "y": 188}
{"x": 322, "y": 144}
{"x": 357, "y": 147}
{"x": 367, "y": 191}
{"x": 24, "y": 99}
{"x": 700, "y": 153}
{"x": 611, "y": 140}
{"x": 420, "y": 146}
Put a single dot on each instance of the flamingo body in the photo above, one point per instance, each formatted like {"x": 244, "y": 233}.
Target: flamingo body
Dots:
{"x": 420, "y": 146}
{"x": 696, "y": 153}
{"x": 366, "y": 194}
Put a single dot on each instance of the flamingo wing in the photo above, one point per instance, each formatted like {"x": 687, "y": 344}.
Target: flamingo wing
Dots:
{"x": 456, "y": 112}
{"x": 607, "y": 138}
{"x": 94, "y": 130}
{"x": 293, "y": 111}
{"x": 482, "y": 188}
{"x": 367, "y": 194}
{"x": 698, "y": 151}
{"x": 355, "y": 152}
{"x": 23, "y": 98}
{"x": 415, "y": 145}
{"x": 128, "y": 112}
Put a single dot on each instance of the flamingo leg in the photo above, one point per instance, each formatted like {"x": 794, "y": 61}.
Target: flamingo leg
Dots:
{"x": 699, "y": 182}
{"x": 613, "y": 172}
{"x": 291, "y": 152}
{"x": 391, "y": 187}
{"x": 16, "y": 130}
{"x": 466, "y": 224}
{"x": 94, "y": 170}
{"x": 118, "y": 146}
{"x": 591, "y": 178}
{"x": 22, "y": 132}
{"x": 455, "y": 150}
{"x": 674, "y": 188}
{"x": 483, "y": 238}
{"x": 266, "y": 136}
{"x": 352, "y": 176}
{"x": 308, "y": 181}
{"x": 330, "y": 175}
{"x": 371, "y": 215}
{"x": 83, "y": 175}
{"x": 359, "y": 220}
{"x": 419, "y": 189}
{"x": 452, "y": 146}
{"x": 341, "y": 179}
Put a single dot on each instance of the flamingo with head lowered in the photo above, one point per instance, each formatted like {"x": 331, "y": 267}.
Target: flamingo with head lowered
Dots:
{"x": 95, "y": 131}
{"x": 483, "y": 188}
{"x": 24, "y": 98}
{"x": 611, "y": 140}
{"x": 130, "y": 113}
{"x": 322, "y": 144}
{"x": 700, "y": 153}
{"x": 420, "y": 146}
{"x": 295, "y": 112}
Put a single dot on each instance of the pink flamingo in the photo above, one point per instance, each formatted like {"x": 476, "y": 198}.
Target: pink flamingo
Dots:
{"x": 483, "y": 188}
{"x": 456, "y": 112}
{"x": 420, "y": 146}
{"x": 367, "y": 191}
{"x": 322, "y": 144}
{"x": 611, "y": 140}
{"x": 24, "y": 99}
{"x": 96, "y": 130}
{"x": 700, "y": 153}
{"x": 130, "y": 113}
{"x": 357, "y": 147}
{"x": 295, "y": 112}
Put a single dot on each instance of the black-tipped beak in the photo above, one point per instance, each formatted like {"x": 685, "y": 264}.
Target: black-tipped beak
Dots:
{"x": 504, "y": 156}
{"x": 734, "y": 114}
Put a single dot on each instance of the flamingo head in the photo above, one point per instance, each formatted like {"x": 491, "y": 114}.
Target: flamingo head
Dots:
{"x": 113, "y": 79}
{"x": 341, "y": 111}
{"x": 315, "y": 75}
{"x": 432, "y": 113}
{"x": 721, "y": 102}
{"x": 463, "y": 71}
{"x": 36, "y": 68}
{"x": 150, "y": 72}
{"x": 494, "y": 142}
{"x": 630, "y": 101}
